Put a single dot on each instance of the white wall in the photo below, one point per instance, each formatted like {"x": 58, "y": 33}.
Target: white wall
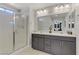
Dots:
{"x": 31, "y": 24}
{"x": 77, "y": 28}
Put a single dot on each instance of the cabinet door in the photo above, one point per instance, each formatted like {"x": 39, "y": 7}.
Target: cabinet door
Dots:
{"x": 56, "y": 46}
{"x": 35, "y": 43}
{"x": 68, "y": 48}
{"x": 41, "y": 44}
{"x": 47, "y": 45}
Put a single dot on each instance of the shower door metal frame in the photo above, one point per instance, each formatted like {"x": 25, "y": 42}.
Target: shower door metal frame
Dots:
{"x": 14, "y": 32}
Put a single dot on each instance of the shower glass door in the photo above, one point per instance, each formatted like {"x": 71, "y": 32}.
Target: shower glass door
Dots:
{"x": 20, "y": 32}
{"x": 6, "y": 32}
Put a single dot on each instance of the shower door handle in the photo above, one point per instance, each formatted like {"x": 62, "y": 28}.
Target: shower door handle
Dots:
{"x": 13, "y": 40}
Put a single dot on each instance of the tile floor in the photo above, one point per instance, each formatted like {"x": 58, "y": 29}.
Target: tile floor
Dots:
{"x": 29, "y": 51}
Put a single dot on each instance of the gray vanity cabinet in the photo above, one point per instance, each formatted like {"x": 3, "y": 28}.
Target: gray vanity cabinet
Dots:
{"x": 56, "y": 45}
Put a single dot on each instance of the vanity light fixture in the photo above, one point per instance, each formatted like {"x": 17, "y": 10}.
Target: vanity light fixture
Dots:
{"x": 42, "y": 12}
{"x": 39, "y": 12}
{"x": 62, "y": 8}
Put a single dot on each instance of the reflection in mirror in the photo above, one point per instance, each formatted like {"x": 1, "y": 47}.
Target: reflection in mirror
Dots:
{"x": 57, "y": 21}
{"x": 72, "y": 25}
{"x": 44, "y": 23}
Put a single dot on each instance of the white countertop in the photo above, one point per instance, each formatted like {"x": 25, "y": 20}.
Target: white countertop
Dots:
{"x": 57, "y": 34}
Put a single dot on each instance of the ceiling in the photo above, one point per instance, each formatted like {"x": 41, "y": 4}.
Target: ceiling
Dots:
{"x": 26, "y": 5}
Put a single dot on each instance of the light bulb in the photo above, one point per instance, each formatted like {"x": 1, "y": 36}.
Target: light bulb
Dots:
{"x": 61, "y": 8}
{"x": 66, "y": 6}
{"x": 41, "y": 11}
{"x": 37, "y": 12}
{"x": 45, "y": 10}
{"x": 56, "y": 9}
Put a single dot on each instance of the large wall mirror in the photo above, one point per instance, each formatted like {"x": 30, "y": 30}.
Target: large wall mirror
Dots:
{"x": 60, "y": 21}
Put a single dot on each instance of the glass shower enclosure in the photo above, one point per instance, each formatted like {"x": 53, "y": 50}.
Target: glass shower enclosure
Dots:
{"x": 13, "y": 31}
